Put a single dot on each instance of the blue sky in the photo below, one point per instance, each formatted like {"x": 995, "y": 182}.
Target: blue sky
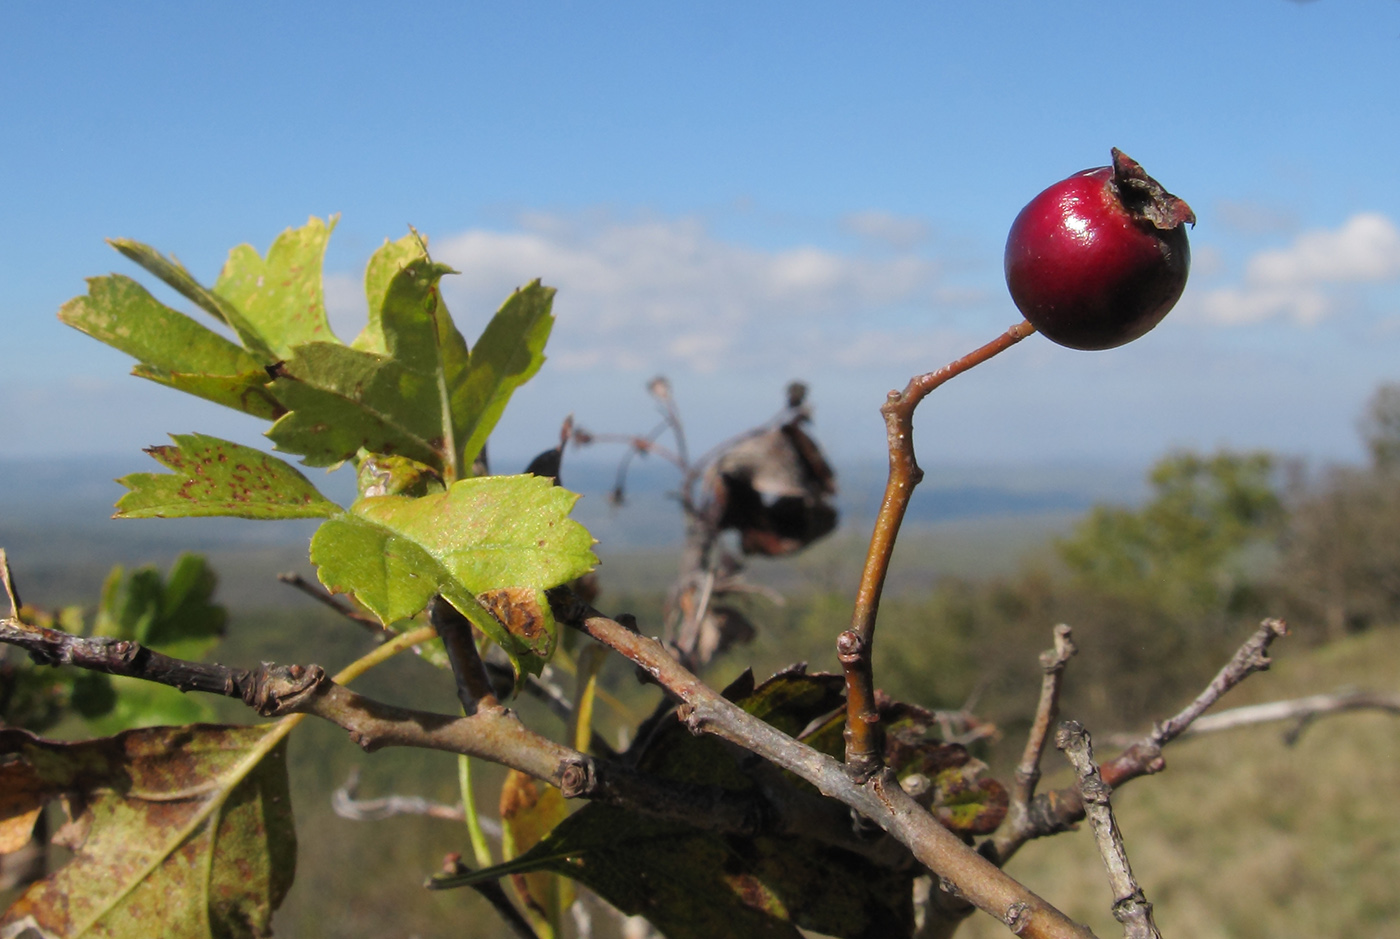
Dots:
{"x": 732, "y": 194}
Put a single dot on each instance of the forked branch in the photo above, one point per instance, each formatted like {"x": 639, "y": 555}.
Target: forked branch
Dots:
{"x": 1057, "y": 810}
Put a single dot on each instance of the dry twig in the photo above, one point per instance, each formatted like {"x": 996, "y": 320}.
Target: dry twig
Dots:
{"x": 1130, "y": 906}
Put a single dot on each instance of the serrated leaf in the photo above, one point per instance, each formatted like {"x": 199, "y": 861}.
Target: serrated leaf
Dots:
{"x": 120, "y": 312}
{"x": 504, "y": 539}
{"x": 341, "y": 400}
{"x": 218, "y": 477}
{"x": 174, "y": 274}
{"x": 280, "y": 296}
{"x": 384, "y": 264}
{"x": 180, "y": 832}
{"x": 507, "y": 354}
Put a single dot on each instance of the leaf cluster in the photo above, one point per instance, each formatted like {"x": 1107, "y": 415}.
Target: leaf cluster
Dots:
{"x": 408, "y": 402}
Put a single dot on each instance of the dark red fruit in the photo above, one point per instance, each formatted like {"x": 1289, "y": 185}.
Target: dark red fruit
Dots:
{"x": 1099, "y": 258}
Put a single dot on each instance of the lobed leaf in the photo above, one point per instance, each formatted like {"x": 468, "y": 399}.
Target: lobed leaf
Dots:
{"x": 280, "y": 296}
{"x": 123, "y": 314}
{"x": 179, "y": 832}
{"x": 217, "y": 477}
{"x": 490, "y": 545}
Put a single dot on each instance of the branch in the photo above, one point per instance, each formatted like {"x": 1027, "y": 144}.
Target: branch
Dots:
{"x": 864, "y": 736}
{"x": 493, "y": 733}
{"x": 878, "y": 798}
{"x": 8, "y": 580}
{"x": 1303, "y": 710}
{"x": 1130, "y": 906}
{"x": 1057, "y": 811}
{"x": 345, "y": 804}
{"x": 1019, "y": 826}
{"x": 474, "y": 688}
{"x": 314, "y": 591}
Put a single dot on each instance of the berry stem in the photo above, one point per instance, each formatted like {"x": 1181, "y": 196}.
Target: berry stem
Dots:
{"x": 865, "y": 743}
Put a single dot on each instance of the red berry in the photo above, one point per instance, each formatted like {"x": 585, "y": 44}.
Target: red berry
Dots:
{"x": 1099, "y": 258}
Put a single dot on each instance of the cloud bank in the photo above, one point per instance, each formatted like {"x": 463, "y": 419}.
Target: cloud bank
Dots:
{"x": 1303, "y": 282}
{"x": 667, "y": 294}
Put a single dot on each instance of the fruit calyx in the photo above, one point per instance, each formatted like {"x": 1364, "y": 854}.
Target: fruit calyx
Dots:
{"x": 1145, "y": 199}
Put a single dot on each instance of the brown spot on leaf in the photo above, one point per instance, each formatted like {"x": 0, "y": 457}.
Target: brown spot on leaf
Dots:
{"x": 520, "y": 612}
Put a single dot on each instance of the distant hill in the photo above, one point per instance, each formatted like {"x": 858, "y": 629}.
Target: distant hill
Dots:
{"x": 55, "y": 517}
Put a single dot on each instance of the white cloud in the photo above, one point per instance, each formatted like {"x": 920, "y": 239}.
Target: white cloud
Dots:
{"x": 1301, "y": 282}
{"x": 657, "y": 293}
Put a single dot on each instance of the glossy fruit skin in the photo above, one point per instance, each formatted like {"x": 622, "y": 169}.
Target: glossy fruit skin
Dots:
{"x": 1088, "y": 262}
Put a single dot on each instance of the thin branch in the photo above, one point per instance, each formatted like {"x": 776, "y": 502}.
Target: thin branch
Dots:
{"x": 1130, "y": 906}
{"x": 864, "y": 735}
{"x": 1018, "y": 825}
{"x": 879, "y": 798}
{"x": 1303, "y": 710}
{"x": 660, "y": 390}
{"x": 11, "y": 591}
{"x": 344, "y": 802}
{"x": 494, "y": 894}
{"x": 315, "y": 592}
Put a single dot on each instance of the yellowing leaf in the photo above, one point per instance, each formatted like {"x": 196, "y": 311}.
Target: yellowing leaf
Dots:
{"x": 504, "y": 539}
{"x": 179, "y": 832}
{"x": 280, "y": 296}
{"x": 529, "y": 811}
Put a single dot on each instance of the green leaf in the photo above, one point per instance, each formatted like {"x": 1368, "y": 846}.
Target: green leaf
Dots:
{"x": 281, "y": 296}
{"x": 172, "y": 349}
{"x": 217, "y": 477}
{"x": 246, "y": 392}
{"x": 697, "y": 885}
{"x": 179, "y": 832}
{"x": 341, "y": 400}
{"x": 173, "y": 273}
{"x": 176, "y": 615}
{"x": 120, "y": 312}
{"x": 509, "y": 352}
{"x": 384, "y": 264}
{"x": 504, "y": 539}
